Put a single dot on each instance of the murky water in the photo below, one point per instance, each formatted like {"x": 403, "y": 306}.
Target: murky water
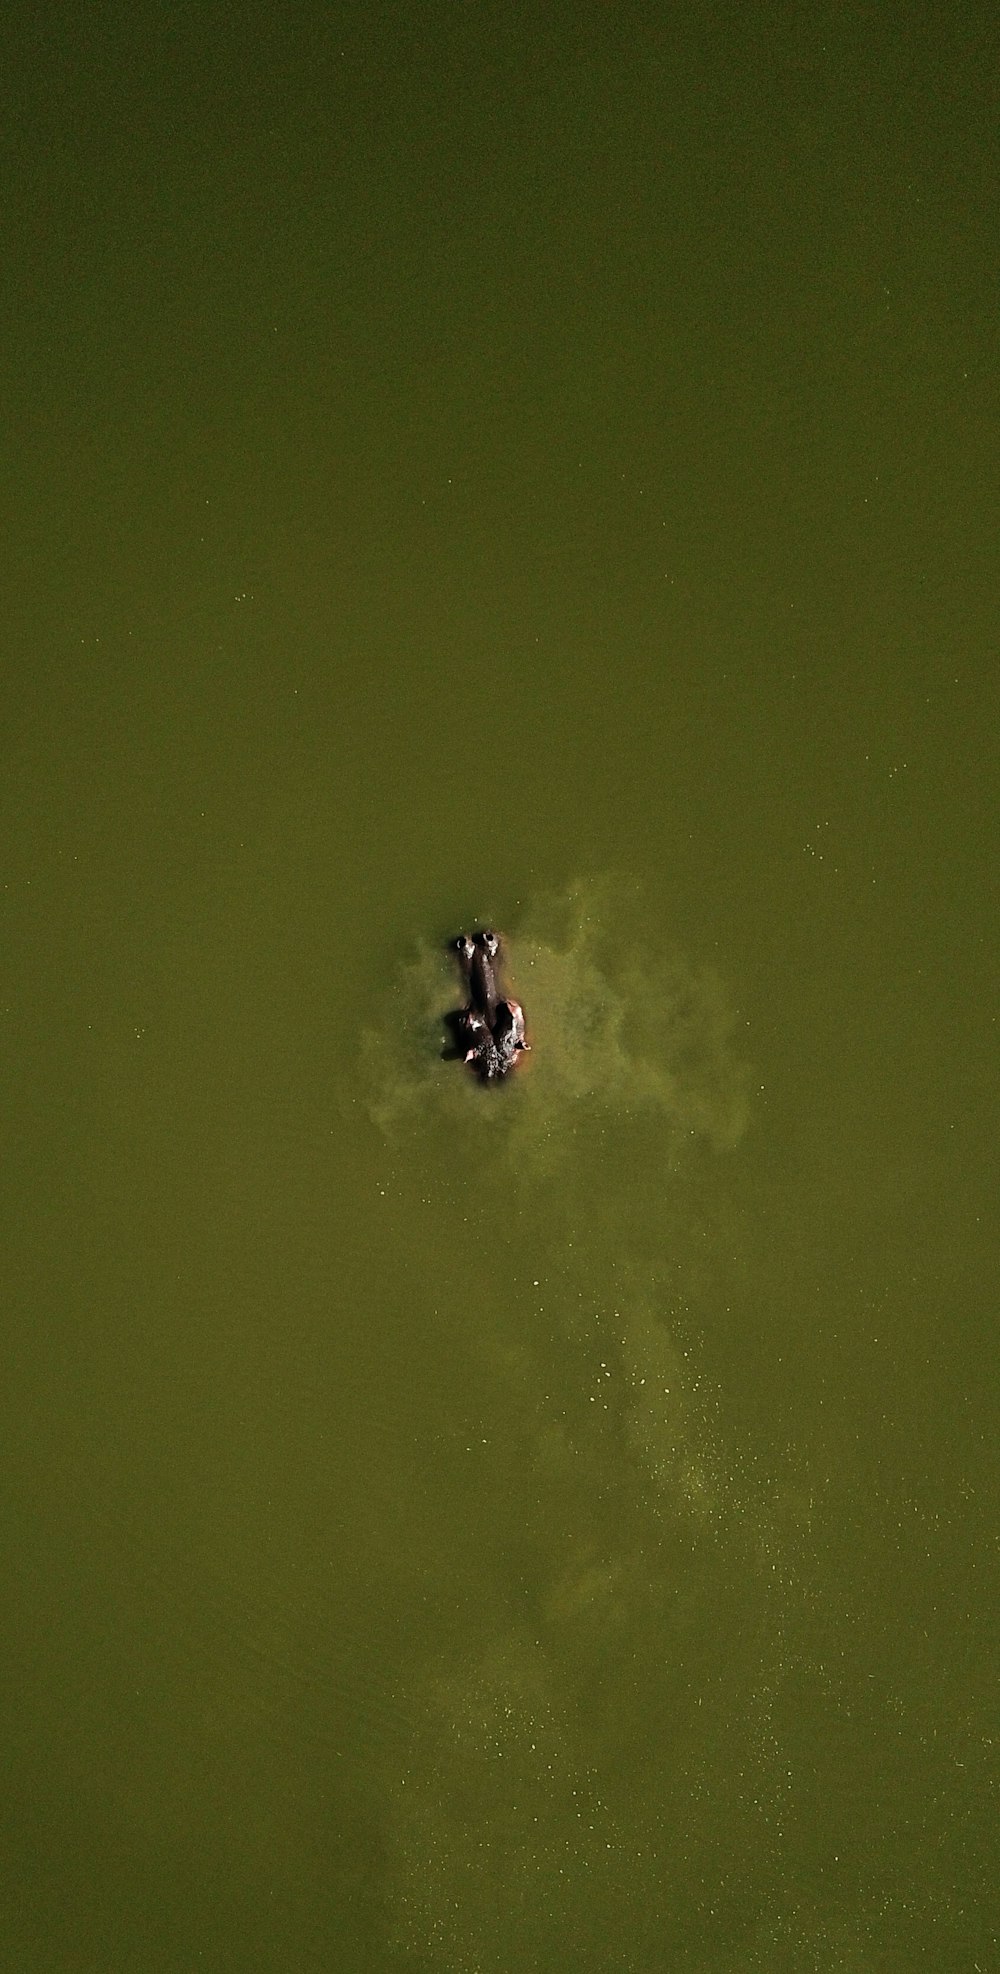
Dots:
{"x": 537, "y": 474}
{"x": 557, "y": 1768}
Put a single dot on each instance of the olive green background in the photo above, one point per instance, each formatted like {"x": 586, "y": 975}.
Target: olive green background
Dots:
{"x": 533, "y": 465}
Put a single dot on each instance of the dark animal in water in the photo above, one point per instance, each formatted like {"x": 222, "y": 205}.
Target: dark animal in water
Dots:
{"x": 485, "y": 992}
{"x": 508, "y": 1041}
{"x": 490, "y": 1026}
{"x": 476, "y": 957}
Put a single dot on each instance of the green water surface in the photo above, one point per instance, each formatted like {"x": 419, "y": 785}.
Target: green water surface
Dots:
{"x": 532, "y": 467}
